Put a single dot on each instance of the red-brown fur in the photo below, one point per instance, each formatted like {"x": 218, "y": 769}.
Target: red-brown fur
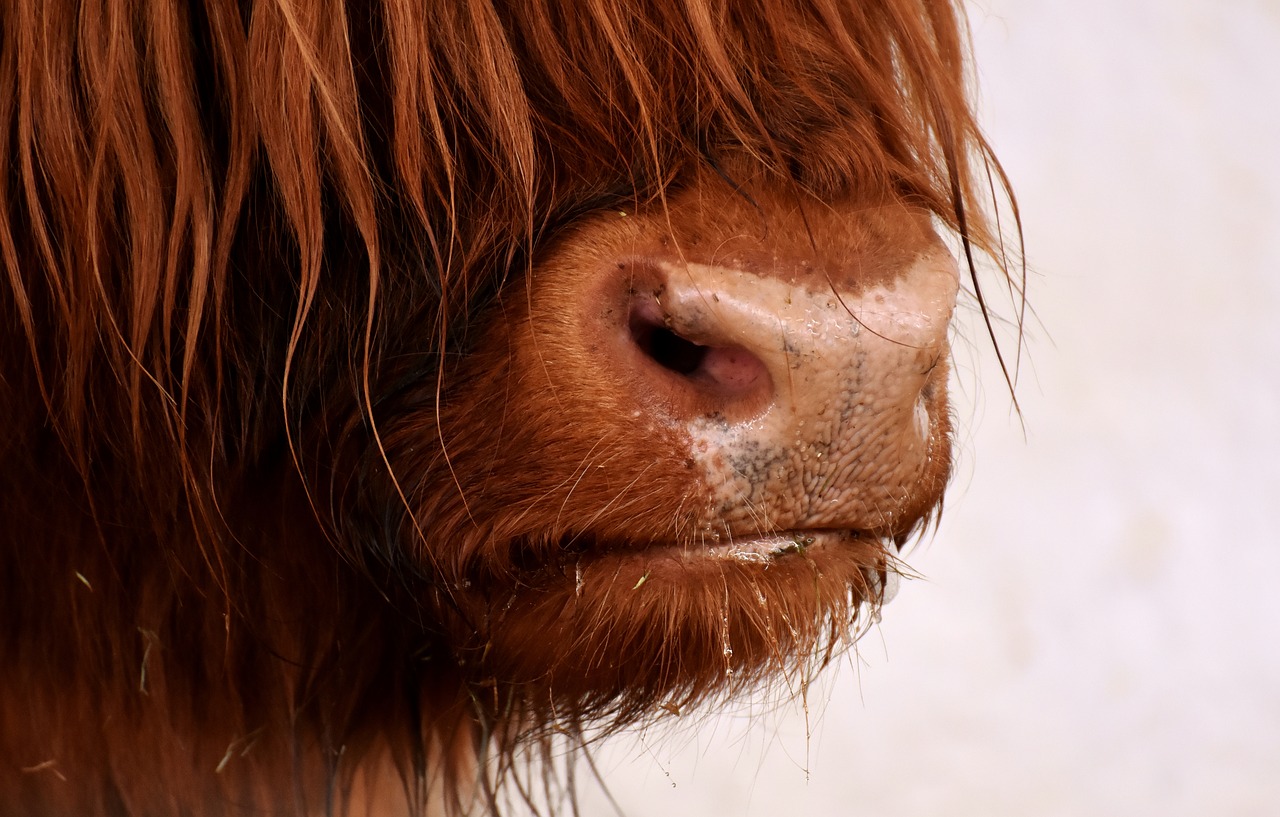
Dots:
{"x": 280, "y": 536}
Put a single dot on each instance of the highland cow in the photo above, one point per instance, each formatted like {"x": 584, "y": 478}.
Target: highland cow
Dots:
{"x": 388, "y": 386}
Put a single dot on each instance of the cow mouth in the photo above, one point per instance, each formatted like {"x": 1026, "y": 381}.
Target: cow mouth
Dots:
{"x": 745, "y": 548}
{"x": 716, "y": 550}
{"x": 770, "y": 547}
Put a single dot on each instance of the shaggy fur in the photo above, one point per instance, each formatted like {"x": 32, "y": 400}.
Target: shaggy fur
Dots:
{"x": 277, "y": 537}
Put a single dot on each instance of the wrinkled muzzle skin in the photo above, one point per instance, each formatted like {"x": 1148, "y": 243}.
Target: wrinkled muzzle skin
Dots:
{"x": 684, "y": 453}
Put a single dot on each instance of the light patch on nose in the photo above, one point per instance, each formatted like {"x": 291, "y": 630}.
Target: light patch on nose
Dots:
{"x": 846, "y": 428}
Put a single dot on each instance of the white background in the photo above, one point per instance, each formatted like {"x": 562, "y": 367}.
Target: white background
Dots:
{"x": 1098, "y": 627}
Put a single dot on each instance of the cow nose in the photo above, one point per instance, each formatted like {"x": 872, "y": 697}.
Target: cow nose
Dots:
{"x": 724, "y": 343}
{"x": 691, "y": 348}
{"x": 809, "y": 397}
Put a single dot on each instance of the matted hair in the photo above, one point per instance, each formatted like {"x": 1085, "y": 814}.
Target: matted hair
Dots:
{"x": 231, "y": 228}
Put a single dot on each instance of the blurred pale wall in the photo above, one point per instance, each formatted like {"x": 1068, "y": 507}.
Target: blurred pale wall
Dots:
{"x": 1098, "y": 629}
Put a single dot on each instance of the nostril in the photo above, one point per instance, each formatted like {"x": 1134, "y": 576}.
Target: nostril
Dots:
{"x": 651, "y": 336}
{"x": 669, "y": 350}
{"x": 725, "y": 369}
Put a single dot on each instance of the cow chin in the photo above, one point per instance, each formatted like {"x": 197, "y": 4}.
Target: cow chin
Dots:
{"x": 637, "y": 632}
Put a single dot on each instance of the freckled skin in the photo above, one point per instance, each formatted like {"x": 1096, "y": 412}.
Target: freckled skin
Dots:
{"x": 831, "y": 449}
